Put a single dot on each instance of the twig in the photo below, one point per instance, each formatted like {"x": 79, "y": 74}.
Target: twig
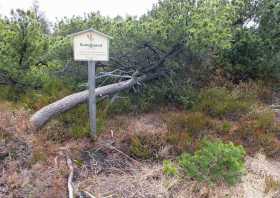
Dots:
{"x": 88, "y": 194}
{"x": 114, "y": 148}
{"x": 70, "y": 178}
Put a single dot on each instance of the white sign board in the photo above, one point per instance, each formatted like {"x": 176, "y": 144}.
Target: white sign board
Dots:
{"x": 91, "y": 45}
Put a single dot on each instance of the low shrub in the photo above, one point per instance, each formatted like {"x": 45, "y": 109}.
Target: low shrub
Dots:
{"x": 120, "y": 105}
{"x": 225, "y": 127}
{"x": 9, "y": 93}
{"x": 186, "y": 129}
{"x": 169, "y": 168}
{"x": 197, "y": 122}
{"x": 180, "y": 142}
{"x": 220, "y": 102}
{"x": 192, "y": 123}
{"x": 139, "y": 148}
{"x": 255, "y": 138}
{"x": 214, "y": 162}
{"x": 77, "y": 121}
{"x": 265, "y": 120}
{"x": 256, "y": 89}
{"x": 176, "y": 122}
{"x": 146, "y": 146}
{"x": 51, "y": 91}
{"x": 188, "y": 97}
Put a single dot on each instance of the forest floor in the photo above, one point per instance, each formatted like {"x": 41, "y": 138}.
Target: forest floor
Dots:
{"x": 32, "y": 165}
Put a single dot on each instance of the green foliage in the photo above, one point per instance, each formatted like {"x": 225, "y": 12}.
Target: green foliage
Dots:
{"x": 176, "y": 122}
{"x": 139, "y": 149}
{"x": 219, "y": 102}
{"x": 22, "y": 46}
{"x": 255, "y": 50}
{"x": 226, "y": 126}
{"x": 169, "y": 168}
{"x": 77, "y": 122}
{"x": 186, "y": 129}
{"x": 194, "y": 123}
{"x": 146, "y": 146}
{"x": 37, "y": 66}
{"x": 265, "y": 120}
{"x": 197, "y": 122}
{"x": 120, "y": 105}
{"x": 215, "y": 162}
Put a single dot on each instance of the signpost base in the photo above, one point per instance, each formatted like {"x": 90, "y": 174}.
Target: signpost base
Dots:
{"x": 92, "y": 98}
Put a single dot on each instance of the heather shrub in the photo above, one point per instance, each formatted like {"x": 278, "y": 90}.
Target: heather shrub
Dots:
{"x": 139, "y": 148}
{"x": 77, "y": 121}
{"x": 197, "y": 122}
{"x": 146, "y": 146}
{"x": 220, "y": 102}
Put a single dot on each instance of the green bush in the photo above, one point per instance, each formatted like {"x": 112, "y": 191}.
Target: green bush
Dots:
{"x": 169, "y": 168}
{"x": 197, "y": 122}
{"x": 219, "y": 102}
{"x": 214, "y": 162}
{"x": 226, "y": 126}
{"x": 77, "y": 121}
{"x": 176, "y": 122}
{"x": 139, "y": 148}
{"x": 122, "y": 105}
{"x": 265, "y": 120}
{"x": 146, "y": 145}
{"x": 193, "y": 123}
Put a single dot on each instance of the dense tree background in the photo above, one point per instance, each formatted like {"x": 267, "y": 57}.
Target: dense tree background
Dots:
{"x": 239, "y": 39}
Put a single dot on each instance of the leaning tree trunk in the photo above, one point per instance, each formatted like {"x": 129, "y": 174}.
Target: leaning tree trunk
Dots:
{"x": 40, "y": 117}
{"x": 64, "y": 104}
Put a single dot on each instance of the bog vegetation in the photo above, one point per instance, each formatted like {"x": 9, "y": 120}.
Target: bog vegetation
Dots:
{"x": 220, "y": 82}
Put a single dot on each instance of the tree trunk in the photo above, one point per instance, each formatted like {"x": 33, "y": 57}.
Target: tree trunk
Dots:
{"x": 39, "y": 118}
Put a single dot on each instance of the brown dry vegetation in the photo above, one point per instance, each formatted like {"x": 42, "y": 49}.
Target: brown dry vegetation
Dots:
{"x": 126, "y": 160}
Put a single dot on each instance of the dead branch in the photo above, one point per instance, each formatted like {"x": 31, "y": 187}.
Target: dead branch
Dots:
{"x": 70, "y": 178}
{"x": 155, "y": 70}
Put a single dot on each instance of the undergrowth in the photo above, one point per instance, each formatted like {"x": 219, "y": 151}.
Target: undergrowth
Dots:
{"x": 214, "y": 162}
{"x": 222, "y": 102}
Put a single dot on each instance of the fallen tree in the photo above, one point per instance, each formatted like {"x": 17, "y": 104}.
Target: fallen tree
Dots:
{"x": 39, "y": 118}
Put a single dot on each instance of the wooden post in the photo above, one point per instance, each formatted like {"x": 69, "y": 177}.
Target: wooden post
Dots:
{"x": 92, "y": 98}
{"x": 91, "y": 45}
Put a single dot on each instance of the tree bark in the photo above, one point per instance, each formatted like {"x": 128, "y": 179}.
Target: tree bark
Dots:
{"x": 42, "y": 116}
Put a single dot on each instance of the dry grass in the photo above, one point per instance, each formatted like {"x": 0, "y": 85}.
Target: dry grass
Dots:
{"x": 34, "y": 164}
